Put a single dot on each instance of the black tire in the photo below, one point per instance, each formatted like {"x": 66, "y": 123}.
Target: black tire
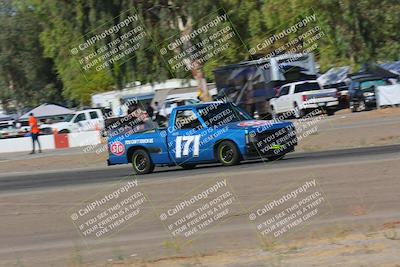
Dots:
{"x": 330, "y": 112}
{"x": 65, "y": 131}
{"x": 141, "y": 162}
{"x": 352, "y": 108}
{"x": 276, "y": 157}
{"x": 360, "y": 106}
{"x": 228, "y": 154}
{"x": 188, "y": 166}
{"x": 363, "y": 106}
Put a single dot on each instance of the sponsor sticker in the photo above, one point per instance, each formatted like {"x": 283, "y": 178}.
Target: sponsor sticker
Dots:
{"x": 117, "y": 148}
{"x": 251, "y": 123}
{"x": 139, "y": 141}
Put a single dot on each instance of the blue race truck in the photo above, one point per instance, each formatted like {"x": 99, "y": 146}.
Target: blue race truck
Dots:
{"x": 202, "y": 133}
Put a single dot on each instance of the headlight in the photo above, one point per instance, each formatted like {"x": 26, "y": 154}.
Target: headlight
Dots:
{"x": 368, "y": 94}
{"x": 250, "y": 137}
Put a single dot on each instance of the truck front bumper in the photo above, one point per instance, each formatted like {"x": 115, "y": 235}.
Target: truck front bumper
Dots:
{"x": 258, "y": 154}
{"x": 271, "y": 143}
{"x": 328, "y": 104}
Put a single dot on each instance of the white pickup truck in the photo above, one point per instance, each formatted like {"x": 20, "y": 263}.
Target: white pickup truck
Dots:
{"x": 300, "y": 97}
{"x": 172, "y": 102}
{"x": 84, "y": 120}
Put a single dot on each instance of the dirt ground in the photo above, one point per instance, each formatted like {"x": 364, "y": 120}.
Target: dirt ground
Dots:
{"x": 349, "y": 130}
{"x": 344, "y": 249}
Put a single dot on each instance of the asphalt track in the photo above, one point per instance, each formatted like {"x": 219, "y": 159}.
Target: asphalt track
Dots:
{"x": 38, "y": 180}
{"x": 361, "y": 186}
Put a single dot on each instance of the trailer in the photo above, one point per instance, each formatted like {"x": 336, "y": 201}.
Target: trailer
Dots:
{"x": 251, "y": 84}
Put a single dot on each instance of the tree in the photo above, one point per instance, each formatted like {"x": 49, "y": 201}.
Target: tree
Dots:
{"x": 63, "y": 24}
{"x": 27, "y": 78}
{"x": 355, "y": 32}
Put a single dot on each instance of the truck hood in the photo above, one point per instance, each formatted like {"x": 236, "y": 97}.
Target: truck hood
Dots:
{"x": 258, "y": 125}
{"x": 59, "y": 125}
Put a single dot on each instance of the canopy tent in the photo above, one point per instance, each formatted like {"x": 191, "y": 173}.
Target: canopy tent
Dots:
{"x": 334, "y": 76}
{"x": 379, "y": 71}
{"x": 392, "y": 66}
{"x": 47, "y": 110}
{"x": 339, "y": 75}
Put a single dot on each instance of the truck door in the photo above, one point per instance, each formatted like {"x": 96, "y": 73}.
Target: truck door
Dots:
{"x": 79, "y": 121}
{"x": 281, "y": 101}
{"x": 96, "y": 121}
{"x": 185, "y": 139}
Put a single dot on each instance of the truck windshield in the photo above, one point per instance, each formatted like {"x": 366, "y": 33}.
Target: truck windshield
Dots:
{"x": 66, "y": 118}
{"x": 371, "y": 84}
{"x": 304, "y": 87}
{"x": 222, "y": 113}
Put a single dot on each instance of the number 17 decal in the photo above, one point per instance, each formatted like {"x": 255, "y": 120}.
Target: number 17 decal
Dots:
{"x": 187, "y": 142}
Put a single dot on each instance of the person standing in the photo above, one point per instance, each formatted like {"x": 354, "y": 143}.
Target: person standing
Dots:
{"x": 122, "y": 109}
{"x": 149, "y": 110}
{"x": 34, "y": 133}
{"x": 157, "y": 108}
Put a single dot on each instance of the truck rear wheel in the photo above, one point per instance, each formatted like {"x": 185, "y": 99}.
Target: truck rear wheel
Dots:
{"x": 141, "y": 162}
{"x": 228, "y": 154}
{"x": 330, "y": 112}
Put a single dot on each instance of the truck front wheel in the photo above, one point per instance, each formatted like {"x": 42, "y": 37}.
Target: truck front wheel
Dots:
{"x": 228, "y": 154}
{"x": 330, "y": 112}
{"x": 141, "y": 162}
